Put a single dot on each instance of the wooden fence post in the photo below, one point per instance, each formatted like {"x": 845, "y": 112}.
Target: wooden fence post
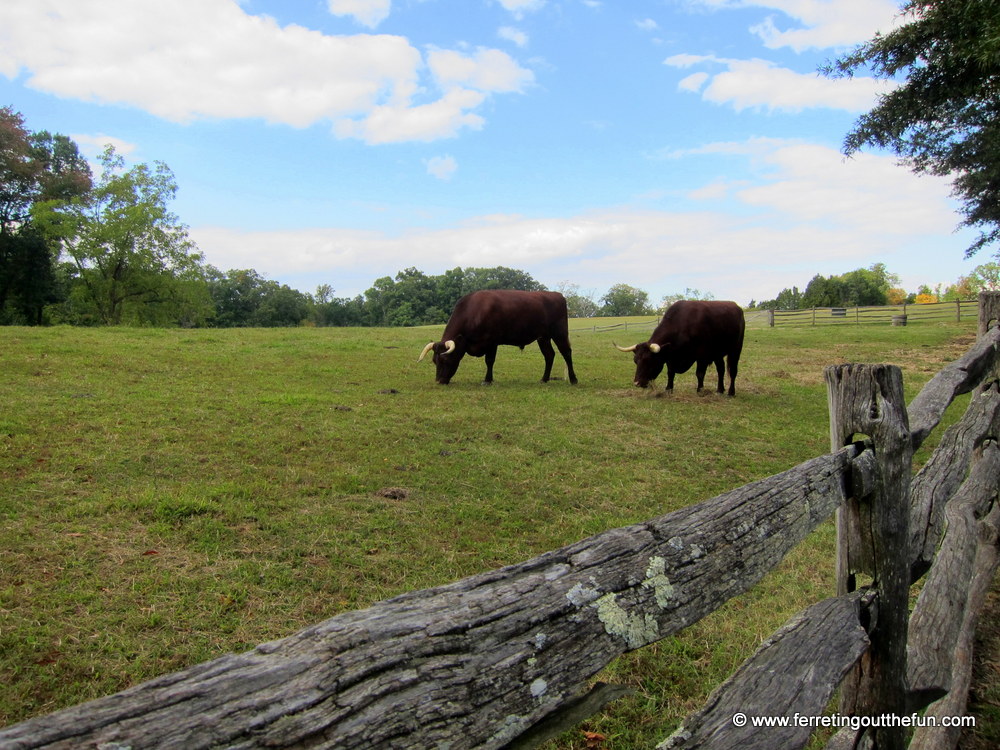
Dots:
{"x": 989, "y": 310}
{"x": 873, "y": 535}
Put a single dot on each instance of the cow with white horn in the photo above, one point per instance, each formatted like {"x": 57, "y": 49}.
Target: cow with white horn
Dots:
{"x": 485, "y": 320}
{"x": 692, "y": 331}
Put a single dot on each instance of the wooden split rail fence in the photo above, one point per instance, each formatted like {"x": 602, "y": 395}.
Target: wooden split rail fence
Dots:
{"x": 898, "y": 315}
{"x": 505, "y": 658}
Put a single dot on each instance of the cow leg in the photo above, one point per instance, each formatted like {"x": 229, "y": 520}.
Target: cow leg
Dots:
{"x": 567, "y": 354}
{"x": 700, "y": 371}
{"x": 733, "y": 366}
{"x": 670, "y": 378}
{"x": 490, "y": 357}
{"x": 720, "y": 367}
{"x": 550, "y": 355}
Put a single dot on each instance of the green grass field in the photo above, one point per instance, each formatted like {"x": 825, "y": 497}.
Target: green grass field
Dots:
{"x": 167, "y": 496}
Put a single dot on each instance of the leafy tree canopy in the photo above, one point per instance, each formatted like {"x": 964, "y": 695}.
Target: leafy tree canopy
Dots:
{"x": 863, "y": 286}
{"x": 945, "y": 117}
{"x": 34, "y": 167}
{"x": 622, "y": 300}
{"x": 132, "y": 255}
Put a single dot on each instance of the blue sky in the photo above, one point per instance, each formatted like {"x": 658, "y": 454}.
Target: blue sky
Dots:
{"x": 666, "y": 144}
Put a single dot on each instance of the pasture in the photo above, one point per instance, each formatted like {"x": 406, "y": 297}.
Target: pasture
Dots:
{"x": 167, "y": 496}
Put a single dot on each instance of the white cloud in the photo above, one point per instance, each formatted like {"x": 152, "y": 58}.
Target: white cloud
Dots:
{"x": 759, "y": 84}
{"x": 686, "y": 60}
{"x": 693, "y": 82}
{"x": 828, "y": 23}
{"x": 519, "y": 8}
{"x": 825, "y": 23}
{"x": 514, "y": 35}
{"x": 804, "y": 210}
{"x": 192, "y": 59}
{"x": 486, "y": 70}
{"x": 647, "y": 24}
{"x": 428, "y": 122}
{"x": 367, "y": 12}
{"x": 868, "y": 194}
{"x": 442, "y": 167}
{"x": 93, "y": 146}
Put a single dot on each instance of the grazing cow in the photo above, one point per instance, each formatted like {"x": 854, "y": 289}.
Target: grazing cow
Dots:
{"x": 484, "y": 320}
{"x": 692, "y": 331}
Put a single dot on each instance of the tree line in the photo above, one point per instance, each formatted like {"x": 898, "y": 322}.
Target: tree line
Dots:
{"x": 875, "y": 286}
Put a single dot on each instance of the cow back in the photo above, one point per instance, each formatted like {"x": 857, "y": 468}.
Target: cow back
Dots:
{"x": 493, "y": 317}
{"x": 703, "y": 324}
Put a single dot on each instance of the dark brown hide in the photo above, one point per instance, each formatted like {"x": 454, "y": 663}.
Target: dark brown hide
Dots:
{"x": 693, "y": 332}
{"x": 484, "y": 320}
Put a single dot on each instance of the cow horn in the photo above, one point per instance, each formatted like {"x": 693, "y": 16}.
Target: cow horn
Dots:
{"x": 449, "y": 347}
{"x": 654, "y": 348}
{"x": 626, "y": 348}
{"x": 424, "y": 352}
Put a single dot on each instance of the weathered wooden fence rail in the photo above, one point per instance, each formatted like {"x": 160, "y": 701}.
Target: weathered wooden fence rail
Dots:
{"x": 629, "y": 325}
{"x": 501, "y": 659}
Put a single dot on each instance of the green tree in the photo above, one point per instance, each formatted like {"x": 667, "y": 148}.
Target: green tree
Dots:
{"x": 787, "y": 299}
{"x": 339, "y": 311}
{"x": 413, "y": 298}
{"x": 945, "y": 117}
{"x": 622, "y": 300}
{"x": 34, "y": 167}
{"x": 281, "y": 307}
{"x": 824, "y": 291}
{"x": 866, "y": 286}
{"x": 863, "y": 286}
{"x": 236, "y": 295}
{"x": 28, "y": 280}
{"x": 134, "y": 259}
{"x": 985, "y": 277}
{"x": 499, "y": 277}
{"x": 688, "y": 293}
{"x": 579, "y": 305}
{"x": 243, "y": 298}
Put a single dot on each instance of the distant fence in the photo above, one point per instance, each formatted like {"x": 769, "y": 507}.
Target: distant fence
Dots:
{"x": 958, "y": 310}
{"x": 825, "y": 316}
{"x": 631, "y": 325}
{"x": 504, "y": 659}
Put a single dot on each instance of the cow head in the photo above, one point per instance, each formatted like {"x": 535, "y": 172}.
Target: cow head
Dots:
{"x": 447, "y": 355}
{"x": 649, "y": 359}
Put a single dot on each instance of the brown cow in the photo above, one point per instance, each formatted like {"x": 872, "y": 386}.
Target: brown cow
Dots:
{"x": 484, "y": 320}
{"x": 692, "y": 331}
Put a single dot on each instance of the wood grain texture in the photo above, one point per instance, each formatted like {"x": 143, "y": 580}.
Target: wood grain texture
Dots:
{"x": 868, "y": 400}
{"x": 954, "y": 703}
{"x": 944, "y": 473}
{"x": 966, "y": 558}
{"x": 792, "y": 675}
{"x": 959, "y": 377}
